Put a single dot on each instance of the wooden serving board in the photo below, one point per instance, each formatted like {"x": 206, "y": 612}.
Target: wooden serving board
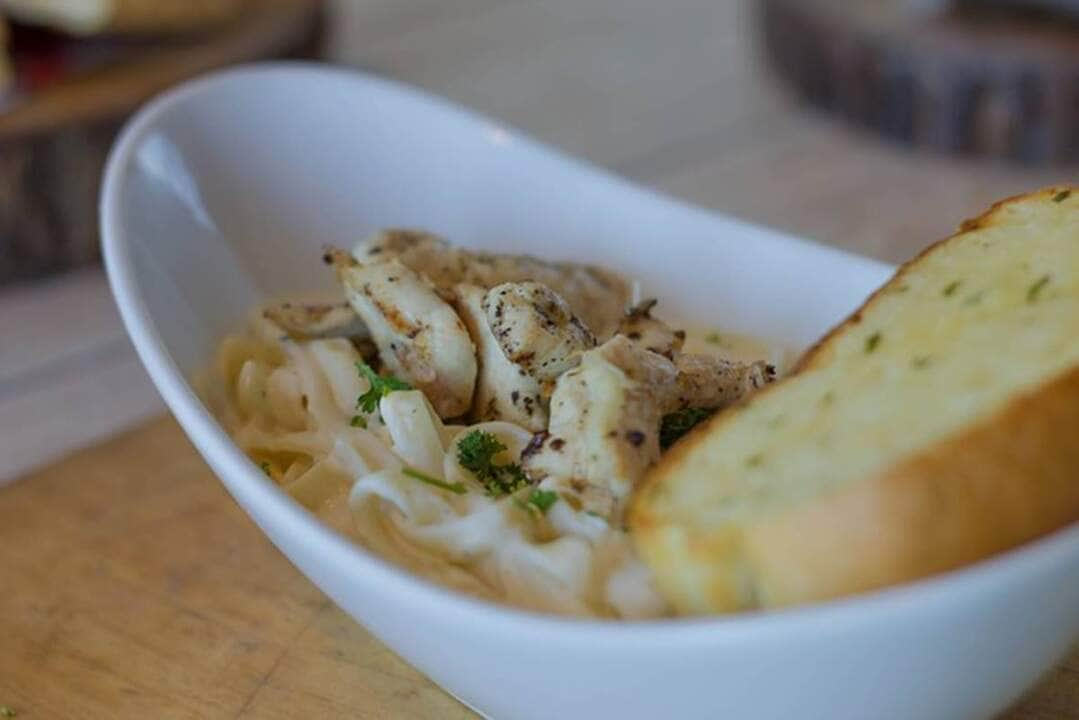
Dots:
{"x": 132, "y": 586}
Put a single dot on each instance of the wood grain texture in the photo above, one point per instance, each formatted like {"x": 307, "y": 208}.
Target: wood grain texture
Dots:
{"x": 134, "y": 587}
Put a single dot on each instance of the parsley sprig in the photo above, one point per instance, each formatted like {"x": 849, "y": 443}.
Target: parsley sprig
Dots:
{"x": 538, "y": 501}
{"x": 677, "y": 424}
{"x": 476, "y": 452}
{"x": 380, "y": 387}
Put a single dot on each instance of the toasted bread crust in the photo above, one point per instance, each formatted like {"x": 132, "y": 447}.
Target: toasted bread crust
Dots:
{"x": 819, "y": 350}
{"x": 1003, "y": 481}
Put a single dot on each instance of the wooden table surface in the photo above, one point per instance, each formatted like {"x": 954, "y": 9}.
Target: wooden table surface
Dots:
{"x": 133, "y": 587}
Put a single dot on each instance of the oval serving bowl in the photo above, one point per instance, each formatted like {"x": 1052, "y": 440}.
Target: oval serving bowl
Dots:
{"x": 222, "y": 192}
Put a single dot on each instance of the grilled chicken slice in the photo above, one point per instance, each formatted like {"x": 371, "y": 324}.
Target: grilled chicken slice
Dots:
{"x": 599, "y": 297}
{"x": 709, "y": 381}
{"x": 504, "y": 391}
{"x": 427, "y": 254}
{"x": 536, "y": 330}
{"x": 604, "y": 426}
{"x": 317, "y": 321}
{"x": 703, "y": 381}
{"x": 419, "y": 336}
{"x": 606, "y": 414}
{"x": 651, "y": 333}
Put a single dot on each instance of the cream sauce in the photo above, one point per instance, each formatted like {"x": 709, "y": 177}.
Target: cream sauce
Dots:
{"x": 290, "y": 405}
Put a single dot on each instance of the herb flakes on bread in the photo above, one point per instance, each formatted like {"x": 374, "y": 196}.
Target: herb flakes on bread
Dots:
{"x": 935, "y": 427}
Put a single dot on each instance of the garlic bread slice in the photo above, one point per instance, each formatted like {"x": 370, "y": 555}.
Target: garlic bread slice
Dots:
{"x": 937, "y": 426}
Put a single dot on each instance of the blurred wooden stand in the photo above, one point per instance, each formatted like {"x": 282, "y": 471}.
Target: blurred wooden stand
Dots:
{"x": 53, "y": 144}
{"x": 994, "y": 78}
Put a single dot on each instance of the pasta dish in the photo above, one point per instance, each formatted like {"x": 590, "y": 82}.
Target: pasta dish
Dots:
{"x": 479, "y": 419}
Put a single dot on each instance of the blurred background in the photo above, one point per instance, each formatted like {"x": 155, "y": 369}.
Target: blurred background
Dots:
{"x": 875, "y": 126}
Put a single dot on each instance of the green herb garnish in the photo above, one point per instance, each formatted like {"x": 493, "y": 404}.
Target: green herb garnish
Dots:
{"x": 358, "y": 421}
{"x": 7, "y": 711}
{"x": 951, "y": 287}
{"x": 1062, "y": 196}
{"x": 872, "y": 342}
{"x": 542, "y": 500}
{"x": 538, "y": 501}
{"x": 380, "y": 387}
{"x": 1034, "y": 290}
{"x": 476, "y": 453}
{"x": 266, "y": 468}
{"x": 714, "y": 338}
{"x": 415, "y": 474}
{"x": 676, "y": 424}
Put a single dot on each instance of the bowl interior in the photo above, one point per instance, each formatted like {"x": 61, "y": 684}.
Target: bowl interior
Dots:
{"x": 230, "y": 195}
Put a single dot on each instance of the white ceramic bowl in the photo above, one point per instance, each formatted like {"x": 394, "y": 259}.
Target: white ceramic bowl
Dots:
{"x": 223, "y": 191}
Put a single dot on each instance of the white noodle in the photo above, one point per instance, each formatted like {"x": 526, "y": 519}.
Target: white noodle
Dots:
{"x": 292, "y": 407}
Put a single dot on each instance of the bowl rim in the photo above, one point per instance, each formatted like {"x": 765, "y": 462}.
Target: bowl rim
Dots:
{"x": 248, "y": 485}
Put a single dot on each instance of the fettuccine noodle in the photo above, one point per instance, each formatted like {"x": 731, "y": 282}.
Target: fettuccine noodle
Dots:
{"x": 291, "y": 406}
